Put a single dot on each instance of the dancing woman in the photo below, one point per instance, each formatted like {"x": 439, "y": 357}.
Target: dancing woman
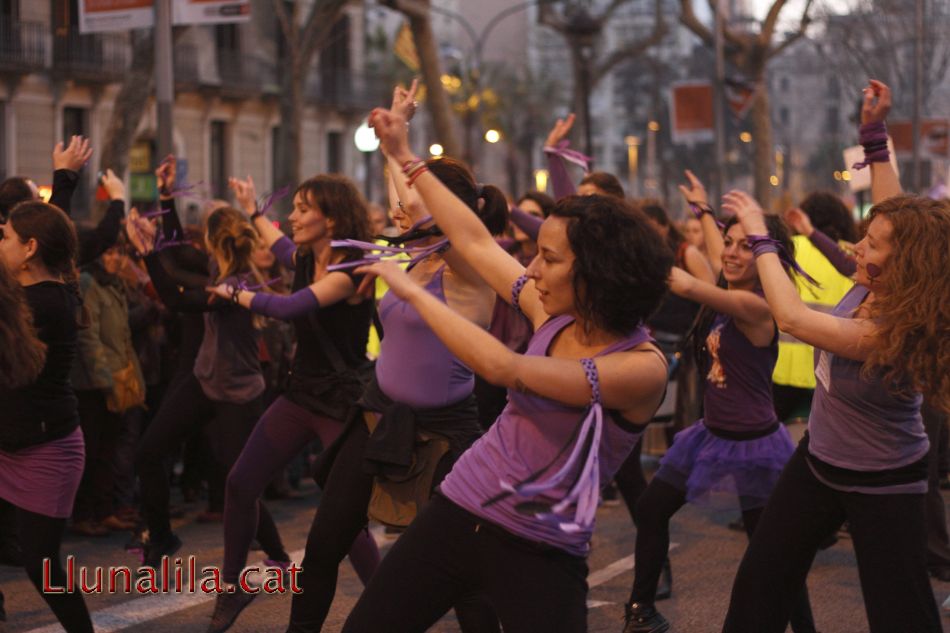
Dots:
{"x": 326, "y": 310}
{"x": 223, "y": 391}
{"x": 41, "y": 446}
{"x": 599, "y": 273}
{"x": 863, "y": 460}
{"x": 739, "y": 445}
{"x": 418, "y": 384}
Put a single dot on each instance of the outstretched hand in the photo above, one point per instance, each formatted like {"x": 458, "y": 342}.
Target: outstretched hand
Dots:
{"x": 562, "y": 127}
{"x": 747, "y": 211}
{"x": 396, "y": 278}
{"x": 165, "y": 176}
{"x": 877, "y": 102}
{"x": 113, "y": 185}
{"x": 225, "y": 291}
{"x": 245, "y": 193}
{"x": 696, "y": 192}
{"x": 140, "y": 231}
{"x": 799, "y": 221}
{"x": 74, "y": 155}
{"x": 392, "y": 133}
{"x": 404, "y": 101}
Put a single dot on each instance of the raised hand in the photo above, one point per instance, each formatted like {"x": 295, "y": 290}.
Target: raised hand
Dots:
{"x": 696, "y": 192}
{"x": 392, "y": 132}
{"x": 562, "y": 127}
{"x": 113, "y": 185}
{"x": 404, "y": 101}
{"x": 747, "y": 211}
{"x": 877, "y": 102}
{"x": 74, "y": 155}
{"x": 140, "y": 231}
{"x": 165, "y": 176}
{"x": 245, "y": 193}
{"x": 799, "y": 221}
{"x": 395, "y": 277}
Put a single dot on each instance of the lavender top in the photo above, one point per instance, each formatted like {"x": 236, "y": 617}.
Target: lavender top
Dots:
{"x": 738, "y": 395}
{"x": 861, "y": 424}
{"x": 414, "y": 367}
{"x": 528, "y": 435}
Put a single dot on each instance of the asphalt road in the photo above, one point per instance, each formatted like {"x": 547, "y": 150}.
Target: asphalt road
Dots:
{"x": 704, "y": 558}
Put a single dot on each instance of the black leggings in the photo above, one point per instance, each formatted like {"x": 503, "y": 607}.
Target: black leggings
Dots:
{"x": 228, "y": 426}
{"x": 630, "y": 479}
{"x": 40, "y": 538}
{"x": 890, "y": 543}
{"x": 341, "y": 516}
{"x": 448, "y": 553}
{"x": 657, "y": 505}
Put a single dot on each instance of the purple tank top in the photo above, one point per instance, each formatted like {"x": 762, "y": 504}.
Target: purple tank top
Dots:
{"x": 528, "y": 435}
{"x": 414, "y": 366}
{"x": 738, "y": 395}
{"x": 857, "y": 423}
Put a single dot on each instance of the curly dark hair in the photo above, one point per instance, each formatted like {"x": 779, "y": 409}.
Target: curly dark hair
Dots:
{"x": 13, "y": 190}
{"x": 620, "y": 268}
{"x": 829, "y": 215}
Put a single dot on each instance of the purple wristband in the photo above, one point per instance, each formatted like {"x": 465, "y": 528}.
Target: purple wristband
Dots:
{"x": 285, "y": 308}
{"x": 762, "y": 244}
{"x": 873, "y": 137}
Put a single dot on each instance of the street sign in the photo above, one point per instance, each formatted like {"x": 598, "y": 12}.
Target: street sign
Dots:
{"x": 691, "y": 112}
{"x": 97, "y": 16}
{"x": 934, "y": 137}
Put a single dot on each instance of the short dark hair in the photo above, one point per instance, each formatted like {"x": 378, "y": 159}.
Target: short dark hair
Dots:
{"x": 608, "y": 183}
{"x": 829, "y": 215}
{"x": 620, "y": 268}
{"x": 339, "y": 199}
{"x": 13, "y": 191}
{"x": 543, "y": 200}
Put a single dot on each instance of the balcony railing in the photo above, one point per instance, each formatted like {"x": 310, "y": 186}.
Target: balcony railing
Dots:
{"x": 243, "y": 74}
{"x": 23, "y": 46}
{"x": 101, "y": 57}
{"x": 344, "y": 90}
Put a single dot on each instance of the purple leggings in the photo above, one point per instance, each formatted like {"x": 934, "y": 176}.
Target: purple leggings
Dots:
{"x": 280, "y": 434}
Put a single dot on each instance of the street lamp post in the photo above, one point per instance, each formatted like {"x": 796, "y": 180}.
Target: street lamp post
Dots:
{"x": 582, "y": 30}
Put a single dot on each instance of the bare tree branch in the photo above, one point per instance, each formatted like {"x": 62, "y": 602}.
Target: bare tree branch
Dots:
{"x": 771, "y": 19}
{"x": 633, "y": 49}
{"x": 689, "y": 20}
{"x": 794, "y": 37}
{"x": 286, "y": 23}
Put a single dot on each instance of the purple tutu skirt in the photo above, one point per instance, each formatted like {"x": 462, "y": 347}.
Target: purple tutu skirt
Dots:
{"x": 700, "y": 463}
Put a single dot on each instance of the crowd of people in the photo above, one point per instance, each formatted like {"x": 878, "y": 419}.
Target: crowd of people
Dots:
{"x": 520, "y": 348}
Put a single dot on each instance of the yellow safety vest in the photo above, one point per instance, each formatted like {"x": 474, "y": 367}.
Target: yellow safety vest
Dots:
{"x": 795, "y": 366}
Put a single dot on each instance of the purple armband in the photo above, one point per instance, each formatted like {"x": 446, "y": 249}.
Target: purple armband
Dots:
{"x": 284, "y": 249}
{"x": 285, "y": 308}
{"x": 762, "y": 244}
{"x": 873, "y": 137}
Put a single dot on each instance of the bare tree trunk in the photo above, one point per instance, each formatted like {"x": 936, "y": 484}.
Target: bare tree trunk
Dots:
{"x": 437, "y": 99}
{"x": 130, "y": 104}
{"x": 762, "y": 148}
{"x": 288, "y": 155}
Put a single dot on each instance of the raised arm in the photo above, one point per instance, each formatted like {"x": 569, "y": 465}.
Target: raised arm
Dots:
{"x": 561, "y": 183}
{"x": 469, "y": 237}
{"x": 799, "y": 220}
{"x": 697, "y": 198}
{"x": 631, "y": 382}
{"x": 750, "y": 311}
{"x": 67, "y": 161}
{"x": 848, "y": 337}
{"x": 106, "y": 233}
{"x": 279, "y": 244}
{"x": 874, "y": 110}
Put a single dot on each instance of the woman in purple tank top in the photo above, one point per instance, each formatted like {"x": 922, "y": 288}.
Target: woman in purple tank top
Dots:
{"x": 738, "y": 446}
{"x": 418, "y": 385}
{"x": 515, "y": 516}
{"x": 883, "y": 348}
